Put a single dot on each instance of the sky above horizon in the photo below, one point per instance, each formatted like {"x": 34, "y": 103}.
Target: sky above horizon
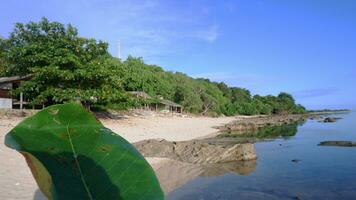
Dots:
{"x": 304, "y": 47}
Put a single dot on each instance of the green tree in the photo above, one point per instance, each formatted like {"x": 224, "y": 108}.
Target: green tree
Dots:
{"x": 240, "y": 95}
{"x": 2, "y": 59}
{"x": 63, "y": 66}
{"x": 260, "y": 106}
{"x": 67, "y": 67}
{"x": 186, "y": 93}
{"x": 138, "y": 76}
{"x": 211, "y": 96}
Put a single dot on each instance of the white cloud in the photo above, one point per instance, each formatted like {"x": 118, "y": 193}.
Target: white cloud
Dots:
{"x": 209, "y": 35}
{"x": 156, "y": 28}
{"x": 146, "y": 28}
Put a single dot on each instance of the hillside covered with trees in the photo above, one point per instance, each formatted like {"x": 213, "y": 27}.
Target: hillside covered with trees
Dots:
{"x": 66, "y": 67}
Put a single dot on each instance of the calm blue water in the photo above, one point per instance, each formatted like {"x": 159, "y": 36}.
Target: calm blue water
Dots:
{"x": 321, "y": 173}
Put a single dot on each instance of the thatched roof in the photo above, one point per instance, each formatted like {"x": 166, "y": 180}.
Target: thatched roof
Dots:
{"x": 10, "y": 79}
{"x": 169, "y": 103}
{"x": 161, "y": 100}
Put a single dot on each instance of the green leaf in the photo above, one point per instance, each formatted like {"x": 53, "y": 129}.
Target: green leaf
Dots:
{"x": 73, "y": 156}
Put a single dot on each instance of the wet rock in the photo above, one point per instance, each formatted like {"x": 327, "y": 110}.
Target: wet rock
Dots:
{"x": 315, "y": 117}
{"x": 338, "y": 143}
{"x": 296, "y": 197}
{"x": 254, "y": 123}
{"x": 330, "y": 119}
{"x": 197, "y": 151}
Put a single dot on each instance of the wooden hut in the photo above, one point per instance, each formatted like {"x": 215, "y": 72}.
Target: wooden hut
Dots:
{"x": 165, "y": 104}
{"x": 160, "y": 104}
{"x": 6, "y": 85}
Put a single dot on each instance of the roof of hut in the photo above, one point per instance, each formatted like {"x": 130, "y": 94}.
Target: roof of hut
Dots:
{"x": 161, "y": 100}
{"x": 169, "y": 103}
{"x": 10, "y": 79}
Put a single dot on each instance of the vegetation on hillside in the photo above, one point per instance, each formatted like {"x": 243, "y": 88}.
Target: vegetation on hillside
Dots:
{"x": 67, "y": 67}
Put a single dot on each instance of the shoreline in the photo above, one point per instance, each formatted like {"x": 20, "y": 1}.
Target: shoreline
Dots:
{"x": 16, "y": 176}
{"x": 17, "y": 181}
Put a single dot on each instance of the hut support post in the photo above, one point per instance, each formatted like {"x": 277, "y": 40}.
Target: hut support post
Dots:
{"x": 21, "y": 100}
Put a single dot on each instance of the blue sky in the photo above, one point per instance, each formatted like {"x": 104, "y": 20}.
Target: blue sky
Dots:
{"x": 304, "y": 47}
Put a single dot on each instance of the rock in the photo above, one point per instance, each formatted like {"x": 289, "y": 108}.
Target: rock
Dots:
{"x": 254, "y": 123}
{"x": 330, "y": 119}
{"x": 197, "y": 151}
{"x": 338, "y": 143}
{"x": 315, "y": 117}
{"x": 296, "y": 197}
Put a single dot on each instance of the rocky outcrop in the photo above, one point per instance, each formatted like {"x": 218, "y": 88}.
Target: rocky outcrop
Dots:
{"x": 338, "y": 143}
{"x": 330, "y": 119}
{"x": 197, "y": 151}
{"x": 254, "y": 123}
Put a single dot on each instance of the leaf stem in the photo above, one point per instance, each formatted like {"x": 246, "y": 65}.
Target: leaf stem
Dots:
{"x": 77, "y": 163}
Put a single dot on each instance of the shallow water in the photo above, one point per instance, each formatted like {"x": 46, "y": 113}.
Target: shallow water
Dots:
{"x": 320, "y": 173}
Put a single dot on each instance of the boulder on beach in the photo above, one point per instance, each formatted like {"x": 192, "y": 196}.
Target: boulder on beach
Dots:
{"x": 196, "y": 151}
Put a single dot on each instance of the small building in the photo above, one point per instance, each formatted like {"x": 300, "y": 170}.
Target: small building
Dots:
{"x": 158, "y": 105}
{"x": 6, "y": 85}
{"x": 165, "y": 104}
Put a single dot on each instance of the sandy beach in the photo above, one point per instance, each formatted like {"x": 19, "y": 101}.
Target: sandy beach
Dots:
{"x": 172, "y": 128}
{"x": 16, "y": 180}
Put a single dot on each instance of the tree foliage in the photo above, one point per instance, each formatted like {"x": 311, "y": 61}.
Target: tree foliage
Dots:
{"x": 65, "y": 67}
{"x": 2, "y": 59}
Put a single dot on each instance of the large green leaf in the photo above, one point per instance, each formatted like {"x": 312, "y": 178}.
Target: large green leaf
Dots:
{"x": 73, "y": 156}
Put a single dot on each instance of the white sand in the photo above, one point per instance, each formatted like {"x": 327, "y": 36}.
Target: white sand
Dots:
{"x": 16, "y": 181}
{"x": 135, "y": 129}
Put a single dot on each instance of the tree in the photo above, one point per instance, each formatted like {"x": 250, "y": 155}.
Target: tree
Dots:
{"x": 226, "y": 90}
{"x": 211, "y": 96}
{"x": 286, "y": 103}
{"x": 240, "y": 95}
{"x": 186, "y": 93}
{"x": 260, "y": 106}
{"x": 138, "y": 76}
{"x": 63, "y": 66}
{"x": 2, "y": 60}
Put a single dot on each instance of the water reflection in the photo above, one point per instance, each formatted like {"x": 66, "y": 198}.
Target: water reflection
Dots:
{"x": 323, "y": 173}
{"x": 218, "y": 169}
{"x": 266, "y": 132}
{"x": 173, "y": 174}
